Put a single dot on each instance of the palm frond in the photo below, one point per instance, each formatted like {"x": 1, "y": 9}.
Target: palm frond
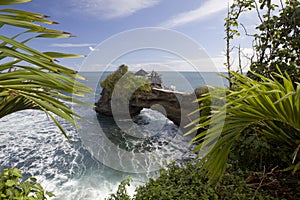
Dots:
{"x": 250, "y": 103}
{"x": 30, "y": 79}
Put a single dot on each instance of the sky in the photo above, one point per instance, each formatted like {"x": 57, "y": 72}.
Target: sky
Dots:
{"x": 94, "y": 22}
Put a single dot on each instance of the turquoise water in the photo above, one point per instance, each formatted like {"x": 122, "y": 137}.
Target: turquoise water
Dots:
{"x": 86, "y": 168}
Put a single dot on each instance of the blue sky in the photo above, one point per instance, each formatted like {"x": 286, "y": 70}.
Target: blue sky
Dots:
{"x": 94, "y": 21}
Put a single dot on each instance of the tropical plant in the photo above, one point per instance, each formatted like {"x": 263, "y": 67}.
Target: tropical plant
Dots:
{"x": 121, "y": 193}
{"x": 275, "y": 40}
{"x": 11, "y": 187}
{"x": 272, "y": 107}
{"x": 189, "y": 182}
{"x": 30, "y": 79}
{"x": 129, "y": 81}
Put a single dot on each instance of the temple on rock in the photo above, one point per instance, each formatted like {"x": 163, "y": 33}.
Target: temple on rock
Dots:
{"x": 153, "y": 77}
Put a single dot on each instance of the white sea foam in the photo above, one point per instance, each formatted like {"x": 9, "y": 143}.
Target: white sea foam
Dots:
{"x": 30, "y": 141}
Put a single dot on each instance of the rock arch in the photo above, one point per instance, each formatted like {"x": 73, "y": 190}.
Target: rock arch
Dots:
{"x": 177, "y": 105}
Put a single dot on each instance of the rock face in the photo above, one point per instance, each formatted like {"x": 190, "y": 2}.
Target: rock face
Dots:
{"x": 176, "y": 106}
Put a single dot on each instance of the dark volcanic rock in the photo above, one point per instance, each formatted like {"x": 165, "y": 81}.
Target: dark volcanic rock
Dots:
{"x": 103, "y": 105}
{"x": 176, "y": 106}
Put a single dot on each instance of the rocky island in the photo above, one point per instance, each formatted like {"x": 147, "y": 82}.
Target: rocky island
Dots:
{"x": 175, "y": 105}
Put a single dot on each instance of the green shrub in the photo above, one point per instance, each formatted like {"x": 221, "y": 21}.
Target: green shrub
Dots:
{"x": 188, "y": 182}
{"x": 252, "y": 151}
{"x": 177, "y": 183}
{"x": 121, "y": 193}
{"x": 130, "y": 80}
{"x": 11, "y": 187}
{"x": 269, "y": 107}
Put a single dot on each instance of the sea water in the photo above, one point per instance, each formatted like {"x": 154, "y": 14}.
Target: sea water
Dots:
{"x": 30, "y": 141}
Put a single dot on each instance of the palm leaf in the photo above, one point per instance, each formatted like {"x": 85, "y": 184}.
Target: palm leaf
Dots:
{"x": 10, "y": 2}
{"x": 250, "y": 103}
{"x": 36, "y": 81}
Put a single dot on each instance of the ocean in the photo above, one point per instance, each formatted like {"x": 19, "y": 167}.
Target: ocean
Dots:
{"x": 101, "y": 154}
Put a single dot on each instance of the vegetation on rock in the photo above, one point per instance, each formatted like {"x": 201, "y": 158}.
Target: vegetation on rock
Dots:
{"x": 129, "y": 82}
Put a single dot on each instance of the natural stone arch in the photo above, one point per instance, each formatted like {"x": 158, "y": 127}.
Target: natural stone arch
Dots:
{"x": 177, "y": 105}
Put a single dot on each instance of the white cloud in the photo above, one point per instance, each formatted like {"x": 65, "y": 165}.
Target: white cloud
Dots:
{"x": 212, "y": 64}
{"x": 208, "y": 8}
{"x": 72, "y": 45}
{"x": 108, "y": 9}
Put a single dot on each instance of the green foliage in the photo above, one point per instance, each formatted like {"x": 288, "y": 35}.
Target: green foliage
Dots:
{"x": 252, "y": 104}
{"x": 111, "y": 80}
{"x": 121, "y": 193}
{"x": 253, "y": 151}
{"x": 11, "y": 187}
{"x": 30, "y": 79}
{"x": 189, "y": 182}
{"x": 203, "y": 103}
{"x": 276, "y": 40}
{"x": 177, "y": 183}
{"x": 129, "y": 81}
{"x": 9, "y": 2}
{"x": 231, "y": 29}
